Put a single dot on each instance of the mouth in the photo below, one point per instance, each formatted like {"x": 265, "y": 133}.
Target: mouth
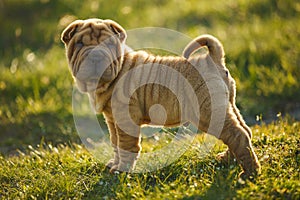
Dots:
{"x": 87, "y": 86}
{"x": 95, "y": 87}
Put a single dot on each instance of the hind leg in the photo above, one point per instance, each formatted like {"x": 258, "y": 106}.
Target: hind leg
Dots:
{"x": 241, "y": 120}
{"x": 238, "y": 141}
{"x": 227, "y": 156}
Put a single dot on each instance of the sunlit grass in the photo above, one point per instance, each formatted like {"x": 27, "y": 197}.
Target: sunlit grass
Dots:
{"x": 46, "y": 171}
{"x": 41, "y": 155}
{"x": 36, "y": 97}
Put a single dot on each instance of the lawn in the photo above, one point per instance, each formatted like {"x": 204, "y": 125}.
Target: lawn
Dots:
{"x": 41, "y": 153}
{"x": 70, "y": 171}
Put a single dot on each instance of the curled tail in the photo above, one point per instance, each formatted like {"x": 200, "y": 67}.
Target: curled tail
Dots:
{"x": 214, "y": 46}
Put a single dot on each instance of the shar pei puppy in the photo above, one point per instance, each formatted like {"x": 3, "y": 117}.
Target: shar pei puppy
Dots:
{"x": 134, "y": 88}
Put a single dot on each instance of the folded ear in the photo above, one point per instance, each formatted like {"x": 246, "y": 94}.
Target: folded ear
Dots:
{"x": 69, "y": 32}
{"x": 118, "y": 30}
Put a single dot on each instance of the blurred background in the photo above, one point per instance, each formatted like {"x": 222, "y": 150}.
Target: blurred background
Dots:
{"x": 260, "y": 37}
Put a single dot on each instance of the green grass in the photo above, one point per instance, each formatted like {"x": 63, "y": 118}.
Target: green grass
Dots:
{"x": 36, "y": 102}
{"x": 70, "y": 171}
{"x": 41, "y": 155}
{"x": 260, "y": 37}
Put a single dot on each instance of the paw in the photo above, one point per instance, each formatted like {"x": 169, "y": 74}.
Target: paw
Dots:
{"x": 111, "y": 163}
{"x": 121, "y": 168}
{"x": 114, "y": 169}
{"x": 225, "y": 157}
{"x": 117, "y": 169}
{"x": 251, "y": 174}
{"x": 243, "y": 177}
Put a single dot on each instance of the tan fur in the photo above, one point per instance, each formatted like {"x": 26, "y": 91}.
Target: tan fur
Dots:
{"x": 217, "y": 53}
{"x": 87, "y": 63}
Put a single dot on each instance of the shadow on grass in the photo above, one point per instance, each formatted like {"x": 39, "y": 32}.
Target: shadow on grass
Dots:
{"x": 34, "y": 129}
{"x": 108, "y": 186}
{"x": 223, "y": 187}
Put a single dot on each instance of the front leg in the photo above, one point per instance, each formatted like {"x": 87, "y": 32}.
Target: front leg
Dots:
{"x": 114, "y": 143}
{"x": 129, "y": 149}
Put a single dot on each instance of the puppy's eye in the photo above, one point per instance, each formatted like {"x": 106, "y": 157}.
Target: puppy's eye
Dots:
{"x": 226, "y": 73}
{"x": 79, "y": 44}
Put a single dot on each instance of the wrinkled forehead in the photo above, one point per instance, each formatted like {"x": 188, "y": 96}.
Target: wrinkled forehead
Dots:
{"x": 89, "y": 31}
{"x": 81, "y": 24}
{"x": 88, "y": 21}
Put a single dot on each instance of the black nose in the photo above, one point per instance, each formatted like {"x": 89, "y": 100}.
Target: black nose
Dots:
{"x": 226, "y": 73}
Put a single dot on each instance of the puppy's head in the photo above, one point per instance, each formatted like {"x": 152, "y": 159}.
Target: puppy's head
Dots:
{"x": 95, "y": 51}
